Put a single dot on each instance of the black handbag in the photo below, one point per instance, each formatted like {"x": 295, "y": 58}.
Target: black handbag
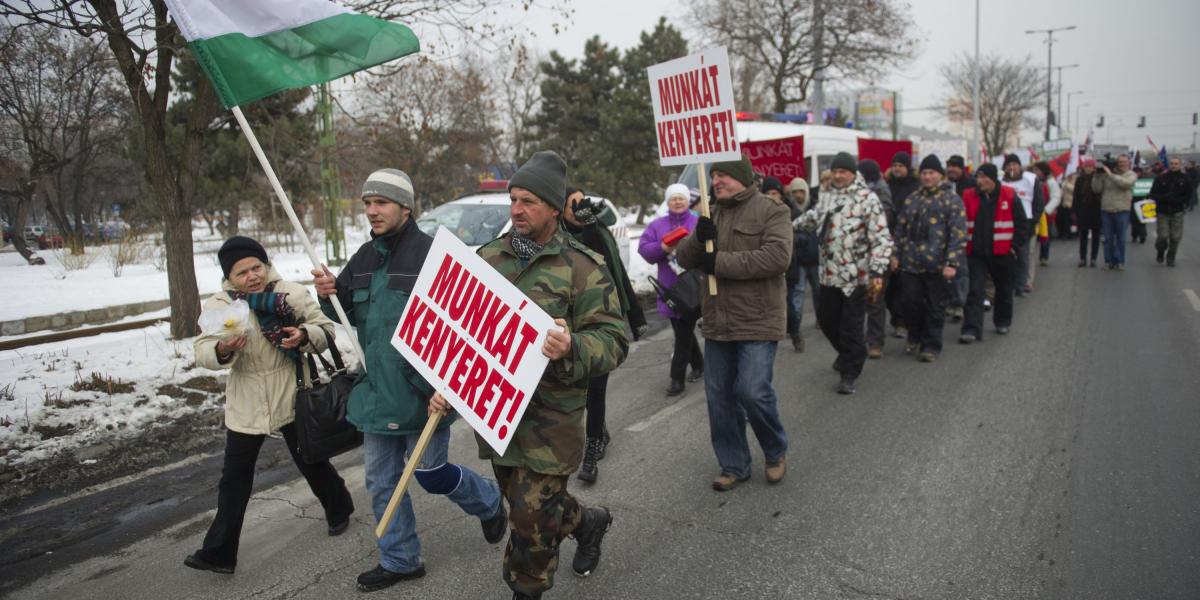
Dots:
{"x": 322, "y": 430}
{"x": 684, "y": 295}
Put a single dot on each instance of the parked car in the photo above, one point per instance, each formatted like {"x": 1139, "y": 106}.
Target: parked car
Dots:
{"x": 479, "y": 218}
{"x": 42, "y": 238}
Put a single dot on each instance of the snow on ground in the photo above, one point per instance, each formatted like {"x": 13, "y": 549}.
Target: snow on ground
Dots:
{"x": 56, "y": 396}
{"x": 51, "y": 289}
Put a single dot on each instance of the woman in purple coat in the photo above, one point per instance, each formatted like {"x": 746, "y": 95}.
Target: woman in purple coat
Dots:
{"x": 656, "y": 252}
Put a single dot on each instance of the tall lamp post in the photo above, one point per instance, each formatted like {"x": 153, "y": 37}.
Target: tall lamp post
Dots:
{"x": 976, "y": 151}
{"x": 1049, "y": 65}
{"x": 1074, "y": 131}
{"x": 1058, "y": 116}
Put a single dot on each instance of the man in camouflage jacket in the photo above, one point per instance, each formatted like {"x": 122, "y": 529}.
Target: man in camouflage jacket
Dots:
{"x": 931, "y": 232}
{"x": 569, "y": 282}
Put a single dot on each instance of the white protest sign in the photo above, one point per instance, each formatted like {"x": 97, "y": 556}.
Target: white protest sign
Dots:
{"x": 693, "y": 109}
{"x": 475, "y": 337}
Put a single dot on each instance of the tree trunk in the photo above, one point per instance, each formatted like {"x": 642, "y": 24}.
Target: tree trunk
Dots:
{"x": 181, "y": 276}
{"x": 235, "y": 215}
{"x": 18, "y": 226}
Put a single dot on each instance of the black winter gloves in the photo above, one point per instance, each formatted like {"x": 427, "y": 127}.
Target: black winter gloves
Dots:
{"x": 708, "y": 262}
{"x": 706, "y": 229}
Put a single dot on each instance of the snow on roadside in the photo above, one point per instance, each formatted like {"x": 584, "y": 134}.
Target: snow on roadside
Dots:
{"x": 41, "y": 415}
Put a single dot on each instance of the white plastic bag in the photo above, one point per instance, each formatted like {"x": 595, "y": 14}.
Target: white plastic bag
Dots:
{"x": 226, "y": 322}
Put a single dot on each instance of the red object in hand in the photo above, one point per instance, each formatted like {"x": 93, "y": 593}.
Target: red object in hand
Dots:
{"x": 675, "y": 235}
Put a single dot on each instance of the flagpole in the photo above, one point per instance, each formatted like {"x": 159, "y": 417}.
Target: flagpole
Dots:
{"x": 287, "y": 207}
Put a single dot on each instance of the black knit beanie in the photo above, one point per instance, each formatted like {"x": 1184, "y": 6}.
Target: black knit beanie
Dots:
{"x": 737, "y": 169}
{"x": 956, "y": 161}
{"x": 236, "y": 248}
{"x": 544, "y": 174}
{"x": 773, "y": 183}
{"x": 903, "y": 158}
{"x": 932, "y": 162}
{"x": 843, "y": 160}
{"x": 988, "y": 170}
{"x": 1012, "y": 158}
{"x": 870, "y": 170}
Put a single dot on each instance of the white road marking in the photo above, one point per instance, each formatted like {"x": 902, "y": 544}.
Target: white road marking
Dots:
{"x": 664, "y": 413}
{"x": 1193, "y": 298}
{"x": 108, "y": 485}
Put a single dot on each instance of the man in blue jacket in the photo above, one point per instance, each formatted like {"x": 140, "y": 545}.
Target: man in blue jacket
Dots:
{"x": 388, "y": 403}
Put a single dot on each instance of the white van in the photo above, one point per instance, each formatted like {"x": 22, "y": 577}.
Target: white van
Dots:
{"x": 821, "y": 144}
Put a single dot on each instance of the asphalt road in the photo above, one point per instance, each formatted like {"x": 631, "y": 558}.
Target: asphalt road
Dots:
{"x": 1060, "y": 462}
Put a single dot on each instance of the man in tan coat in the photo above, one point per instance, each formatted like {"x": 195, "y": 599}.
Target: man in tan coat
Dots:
{"x": 1115, "y": 187}
{"x": 744, "y": 322}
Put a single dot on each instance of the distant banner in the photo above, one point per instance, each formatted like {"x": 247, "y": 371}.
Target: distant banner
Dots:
{"x": 475, "y": 337}
{"x": 694, "y": 116}
{"x": 882, "y": 151}
{"x": 782, "y": 158}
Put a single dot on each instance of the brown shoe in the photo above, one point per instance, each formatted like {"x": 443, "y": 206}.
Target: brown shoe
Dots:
{"x": 776, "y": 470}
{"x": 725, "y": 482}
{"x": 874, "y": 352}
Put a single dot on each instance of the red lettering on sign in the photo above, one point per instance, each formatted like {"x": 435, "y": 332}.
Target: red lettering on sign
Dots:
{"x": 437, "y": 341}
{"x": 469, "y": 391}
{"x": 453, "y": 348}
{"x": 460, "y": 370}
{"x": 528, "y": 335}
{"x": 410, "y": 320}
{"x": 444, "y": 281}
{"x": 422, "y": 332}
{"x": 507, "y": 391}
{"x": 487, "y": 393}
{"x": 712, "y": 75}
{"x": 462, "y": 296}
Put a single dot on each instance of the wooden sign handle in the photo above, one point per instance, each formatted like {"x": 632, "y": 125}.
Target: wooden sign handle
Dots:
{"x": 409, "y": 468}
{"x": 704, "y": 212}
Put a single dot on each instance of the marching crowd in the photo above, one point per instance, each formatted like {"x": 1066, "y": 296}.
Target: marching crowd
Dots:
{"x": 870, "y": 250}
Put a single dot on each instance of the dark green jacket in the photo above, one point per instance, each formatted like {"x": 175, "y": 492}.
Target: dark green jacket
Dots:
{"x": 568, "y": 282}
{"x": 391, "y": 397}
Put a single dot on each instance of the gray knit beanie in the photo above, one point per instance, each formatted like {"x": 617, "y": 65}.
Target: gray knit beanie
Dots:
{"x": 544, "y": 174}
{"x": 390, "y": 184}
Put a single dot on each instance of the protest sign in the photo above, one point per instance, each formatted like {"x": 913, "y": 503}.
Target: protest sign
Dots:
{"x": 694, "y": 116}
{"x": 782, "y": 158}
{"x": 475, "y": 337}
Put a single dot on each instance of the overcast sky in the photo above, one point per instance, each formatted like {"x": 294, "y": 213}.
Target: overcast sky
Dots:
{"x": 1136, "y": 58}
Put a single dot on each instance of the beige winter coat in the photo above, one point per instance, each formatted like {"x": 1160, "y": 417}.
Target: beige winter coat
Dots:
{"x": 1116, "y": 190}
{"x": 261, "y": 394}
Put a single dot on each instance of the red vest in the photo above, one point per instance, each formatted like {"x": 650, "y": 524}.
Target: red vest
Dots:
{"x": 1003, "y": 227}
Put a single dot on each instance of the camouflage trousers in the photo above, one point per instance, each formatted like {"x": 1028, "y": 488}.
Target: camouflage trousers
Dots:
{"x": 541, "y": 513}
{"x": 1170, "y": 233}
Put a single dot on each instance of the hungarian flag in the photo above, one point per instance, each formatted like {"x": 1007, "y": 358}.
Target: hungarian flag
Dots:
{"x": 254, "y": 48}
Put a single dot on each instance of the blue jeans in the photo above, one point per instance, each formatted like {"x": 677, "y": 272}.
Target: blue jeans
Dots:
{"x": 737, "y": 380}
{"x": 399, "y": 548}
{"x": 961, "y": 284}
{"x": 1115, "y": 224}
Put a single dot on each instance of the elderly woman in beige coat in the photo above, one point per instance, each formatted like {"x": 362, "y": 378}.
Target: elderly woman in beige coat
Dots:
{"x": 261, "y": 393}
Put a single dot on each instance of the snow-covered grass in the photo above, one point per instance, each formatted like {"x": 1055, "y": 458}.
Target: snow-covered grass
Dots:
{"x": 54, "y": 288}
{"x": 73, "y": 394}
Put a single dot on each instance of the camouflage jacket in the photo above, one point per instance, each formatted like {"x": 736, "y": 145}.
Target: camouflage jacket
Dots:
{"x": 569, "y": 282}
{"x": 931, "y": 231}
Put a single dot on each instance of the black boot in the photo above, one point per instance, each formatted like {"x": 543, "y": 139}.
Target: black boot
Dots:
{"x": 604, "y": 440}
{"x": 676, "y": 387}
{"x": 591, "y": 530}
{"x": 588, "y": 471}
{"x": 524, "y": 596}
{"x": 1161, "y": 248}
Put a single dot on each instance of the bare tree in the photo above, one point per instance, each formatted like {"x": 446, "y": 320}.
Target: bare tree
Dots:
{"x": 1010, "y": 92}
{"x": 794, "y": 44}
{"x": 55, "y": 91}
{"x": 145, "y": 42}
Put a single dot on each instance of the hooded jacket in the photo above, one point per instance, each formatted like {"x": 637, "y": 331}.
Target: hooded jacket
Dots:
{"x": 1171, "y": 192}
{"x": 260, "y": 396}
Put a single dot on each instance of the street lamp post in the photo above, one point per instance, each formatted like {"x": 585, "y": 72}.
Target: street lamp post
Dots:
{"x": 1058, "y": 116}
{"x": 1074, "y": 130}
{"x": 1049, "y": 65}
{"x": 1077, "y": 108}
{"x": 976, "y": 152}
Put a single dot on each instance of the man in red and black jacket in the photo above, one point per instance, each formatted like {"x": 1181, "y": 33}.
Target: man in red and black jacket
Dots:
{"x": 997, "y": 229}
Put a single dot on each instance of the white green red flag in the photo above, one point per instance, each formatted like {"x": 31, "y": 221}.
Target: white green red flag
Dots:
{"x": 254, "y": 48}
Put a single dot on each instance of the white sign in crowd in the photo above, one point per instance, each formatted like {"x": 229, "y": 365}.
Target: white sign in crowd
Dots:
{"x": 694, "y": 115}
{"x": 475, "y": 337}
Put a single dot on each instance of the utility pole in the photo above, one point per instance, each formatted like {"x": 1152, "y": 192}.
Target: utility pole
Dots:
{"x": 331, "y": 180}
{"x": 976, "y": 153}
{"x": 1049, "y": 66}
{"x": 1074, "y": 131}
{"x": 818, "y": 20}
{"x": 1058, "y": 116}
{"x": 1077, "y": 114}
